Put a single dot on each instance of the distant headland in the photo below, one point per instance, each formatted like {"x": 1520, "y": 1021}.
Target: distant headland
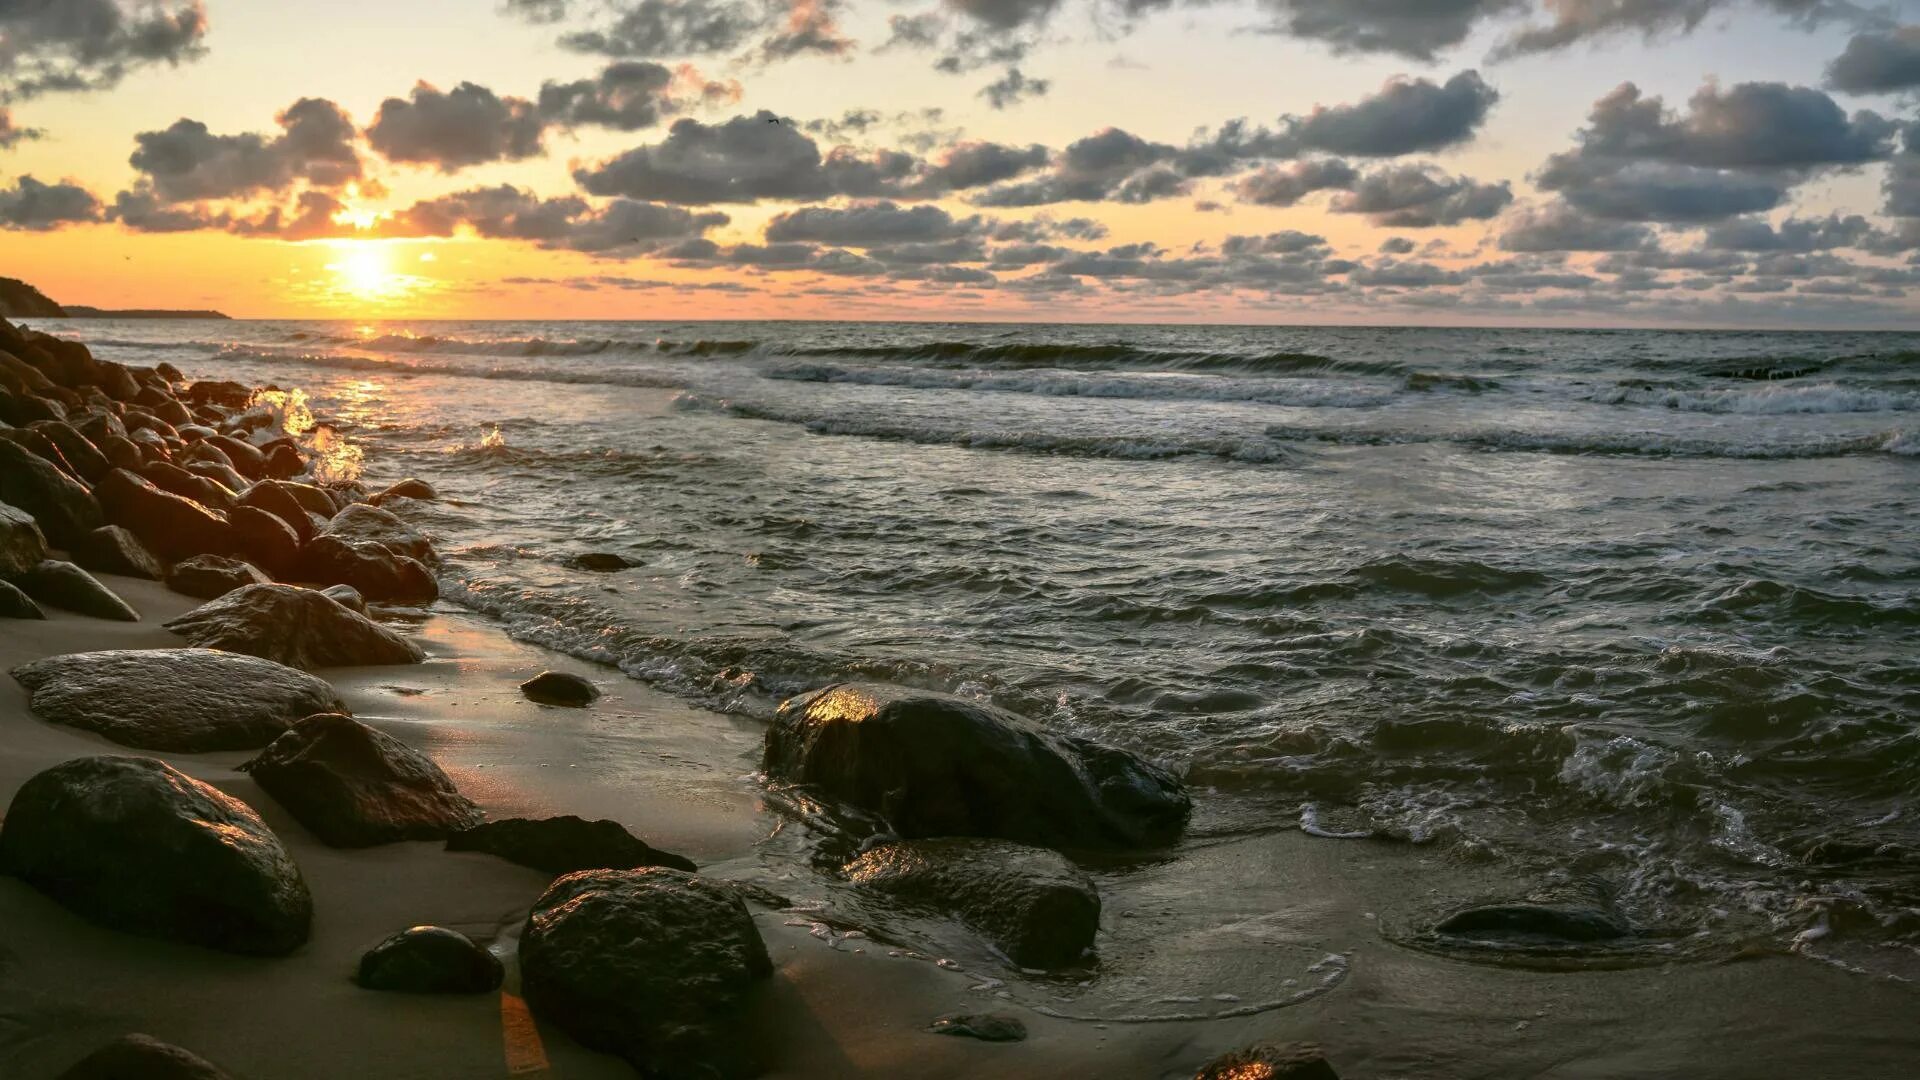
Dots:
{"x": 20, "y": 300}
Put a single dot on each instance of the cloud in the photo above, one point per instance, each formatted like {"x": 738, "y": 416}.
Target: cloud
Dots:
{"x": 12, "y": 135}
{"x": 48, "y": 46}
{"x": 471, "y": 125}
{"x": 1558, "y": 227}
{"x": 1285, "y": 185}
{"x": 1420, "y": 196}
{"x": 659, "y": 29}
{"x": 1407, "y": 116}
{"x": 1582, "y": 20}
{"x": 37, "y": 207}
{"x": 1878, "y": 63}
{"x": 537, "y": 11}
{"x": 1417, "y": 29}
{"x": 187, "y": 162}
{"x": 1110, "y": 164}
{"x": 1004, "y": 14}
{"x": 1797, "y": 235}
{"x": 1013, "y": 88}
{"x": 870, "y": 224}
{"x": 970, "y": 165}
{"x": 809, "y": 29}
{"x": 630, "y": 95}
{"x": 620, "y": 227}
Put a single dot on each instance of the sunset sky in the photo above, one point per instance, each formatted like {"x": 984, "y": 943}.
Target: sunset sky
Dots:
{"x": 1540, "y": 162}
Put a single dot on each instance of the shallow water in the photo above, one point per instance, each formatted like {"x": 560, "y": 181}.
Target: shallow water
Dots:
{"x": 1639, "y": 607}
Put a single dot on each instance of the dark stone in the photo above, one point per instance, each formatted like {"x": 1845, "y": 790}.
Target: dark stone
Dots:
{"x": 273, "y": 497}
{"x": 346, "y": 597}
{"x": 601, "y": 562}
{"x": 1034, "y": 905}
{"x": 219, "y": 473}
{"x": 648, "y": 964}
{"x": 123, "y": 453}
{"x": 987, "y": 1027}
{"x": 64, "y": 509}
{"x": 141, "y": 1057}
{"x": 226, "y": 394}
{"x": 357, "y": 787}
{"x": 42, "y": 447}
{"x": 22, "y": 546}
{"x": 410, "y": 488}
{"x": 243, "y": 456}
{"x": 373, "y": 571}
{"x": 67, "y": 587}
{"x": 430, "y": 960}
{"x": 206, "y": 491}
{"x": 293, "y": 626}
{"x": 136, "y": 845}
{"x": 82, "y": 454}
{"x": 175, "y": 700}
{"x": 1536, "y": 922}
{"x": 562, "y": 845}
{"x": 361, "y": 522}
{"x": 311, "y": 499}
{"x": 560, "y": 688}
{"x": 175, "y": 528}
{"x": 111, "y": 549}
{"x": 285, "y": 462}
{"x": 208, "y": 576}
{"x": 935, "y": 765}
{"x": 265, "y": 540}
{"x": 1269, "y": 1062}
{"x": 100, "y": 425}
{"x": 15, "y": 604}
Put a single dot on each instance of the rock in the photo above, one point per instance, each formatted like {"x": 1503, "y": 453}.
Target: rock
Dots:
{"x": 226, "y": 394}
{"x": 41, "y": 447}
{"x": 206, "y": 491}
{"x": 67, "y": 587}
{"x": 243, "y": 456}
{"x": 273, "y": 497}
{"x": 560, "y": 688}
{"x": 285, "y": 462}
{"x": 22, "y": 546}
{"x": 100, "y": 426}
{"x": 357, "y": 787}
{"x": 647, "y": 964}
{"x": 265, "y": 540}
{"x": 293, "y": 626}
{"x": 15, "y": 604}
{"x": 136, "y": 845}
{"x": 111, "y": 549}
{"x": 1542, "y": 923}
{"x": 311, "y": 499}
{"x": 175, "y": 700}
{"x": 123, "y": 453}
{"x": 85, "y": 457}
{"x": 175, "y": 528}
{"x": 141, "y": 1057}
{"x": 410, "y": 488}
{"x": 208, "y": 576}
{"x": 562, "y": 845}
{"x": 373, "y": 571}
{"x": 430, "y": 960}
{"x": 221, "y": 474}
{"x": 1034, "y": 905}
{"x": 361, "y": 522}
{"x": 935, "y": 765}
{"x": 987, "y": 1027}
{"x": 63, "y": 508}
{"x": 601, "y": 562}
{"x": 1269, "y": 1062}
{"x": 346, "y": 597}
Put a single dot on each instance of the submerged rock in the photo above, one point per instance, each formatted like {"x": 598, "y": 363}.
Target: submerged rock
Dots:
{"x": 69, "y": 588}
{"x": 22, "y": 546}
{"x": 15, "y": 604}
{"x": 63, "y": 508}
{"x": 1524, "y": 921}
{"x": 207, "y": 576}
{"x": 1034, "y": 905}
{"x": 650, "y": 964}
{"x": 142, "y": 1057}
{"x": 1267, "y": 1061}
{"x": 293, "y": 626}
{"x": 560, "y": 688}
{"x": 111, "y": 549}
{"x": 410, "y": 488}
{"x": 179, "y": 700}
{"x": 357, "y": 787}
{"x": 601, "y": 562}
{"x": 134, "y": 844}
{"x": 174, "y": 527}
{"x": 430, "y": 960}
{"x": 935, "y": 765}
{"x": 363, "y": 523}
{"x": 987, "y": 1027}
{"x": 562, "y": 845}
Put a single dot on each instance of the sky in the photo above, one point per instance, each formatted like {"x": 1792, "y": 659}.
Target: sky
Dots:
{"x": 1725, "y": 163}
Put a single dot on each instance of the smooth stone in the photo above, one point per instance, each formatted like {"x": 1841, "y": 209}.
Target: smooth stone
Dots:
{"x": 987, "y": 1027}
{"x": 347, "y": 597}
{"x": 174, "y": 527}
{"x": 224, "y": 392}
{"x": 1034, "y": 905}
{"x": 601, "y": 562}
{"x": 22, "y": 545}
{"x": 125, "y": 454}
{"x": 67, "y": 587}
{"x": 430, "y": 960}
{"x": 563, "y": 845}
{"x": 15, "y": 604}
{"x": 134, "y": 844}
{"x": 61, "y": 505}
{"x": 142, "y": 1057}
{"x": 177, "y": 700}
{"x": 285, "y": 462}
{"x": 273, "y": 497}
{"x": 410, "y": 488}
{"x": 265, "y": 540}
{"x": 1524, "y": 920}
{"x": 370, "y": 569}
{"x": 353, "y": 786}
{"x": 293, "y": 626}
{"x": 216, "y": 471}
{"x": 653, "y": 965}
{"x": 79, "y": 451}
{"x": 560, "y": 688}
{"x": 361, "y": 522}
{"x": 111, "y": 549}
{"x": 1269, "y": 1062}
{"x": 207, "y": 576}
{"x": 936, "y": 765}
{"x": 311, "y": 499}
{"x": 244, "y": 456}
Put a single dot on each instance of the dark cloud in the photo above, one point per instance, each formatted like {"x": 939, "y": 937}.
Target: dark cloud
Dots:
{"x": 1878, "y": 63}
{"x": 809, "y": 29}
{"x": 1004, "y": 14}
{"x": 37, "y": 207}
{"x": 188, "y": 163}
{"x": 652, "y": 29}
{"x": 1420, "y": 196}
{"x": 1285, "y": 185}
{"x": 1013, "y": 88}
{"x": 1396, "y": 245}
{"x": 70, "y": 45}
{"x": 870, "y": 224}
{"x": 471, "y": 125}
{"x": 1557, "y": 227}
{"x": 1584, "y": 20}
{"x": 11, "y": 134}
{"x": 630, "y": 95}
{"x": 537, "y": 11}
{"x": 1801, "y": 235}
{"x": 1418, "y": 29}
{"x": 1093, "y": 169}
{"x": 1407, "y": 116}
{"x": 744, "y": 160}
{"x": 620, "y": 227}
{"x": 971, "y": 165}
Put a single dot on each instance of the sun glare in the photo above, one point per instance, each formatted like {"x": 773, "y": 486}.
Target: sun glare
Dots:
{"x": 363, "y": 274}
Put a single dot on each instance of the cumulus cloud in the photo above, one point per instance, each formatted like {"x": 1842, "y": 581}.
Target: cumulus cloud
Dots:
{"x": 36, "y": 207}
{"x": 1110, "y": 164}
{"x": 70, "y": 45}
{"x": 11, "y": 134}
{"x": 1574, "y": 21}
{"x": 620, "y": 227}
{"x": 1407, "y": 116}
{"x": 1013, "y": 88}
{"x": 870, "y": 224}
{"x": 660, "y": 29}
{"x": 470, "y": 125}
{"x": 187, "y": 162}
{"x": 1418, "y": 29}
{"x": 1878, "y": 63}
{"x": 1797, "y": 235}
{"x": 630, "y": 95}
{"x": 1285, "y": 185}
{"x": 1557, "y": 227}
{"x": 1420, "y": 196}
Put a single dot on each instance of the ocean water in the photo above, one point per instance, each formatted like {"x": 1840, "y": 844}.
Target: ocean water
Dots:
{"x": 1633, "y": 608}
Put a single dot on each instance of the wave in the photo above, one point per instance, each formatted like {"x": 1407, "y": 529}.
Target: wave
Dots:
{"x": 1899, "y": 442}
{"x": 1767, "y": 401}
{"x": 345, "y": 362}
{"x": 1295, "y": 393}
{"x": 1103, "y": 357}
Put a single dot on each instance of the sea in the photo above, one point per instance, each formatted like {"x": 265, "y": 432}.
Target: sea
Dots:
{"x": 1639, "y": 609}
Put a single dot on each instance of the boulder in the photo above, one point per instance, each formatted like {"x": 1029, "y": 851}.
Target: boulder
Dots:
{"x": 264, "y": 540}
{"x": 560, "y": 688}
{"x": 64, "y": 509}
{"x": 562, "y": 845}
{"x": 1269, "y": 1062}
{"x": 22, "y": 546}
{"x": 100, "y": 425}
{"x": 346, "y": 597}
{"x": 361, "y": 522}
{"x": 123, "y": 453}
{"x": 243, "y": 456}
{"x": 82, "y": 454}
{"x": 410, "y": 488}
{"x": 1545, "y": 919}
{"x": 649, "y": 964}
{"x": 987, "y": 1027}
{"x": 141, "y": 1057}
{"x": 43, "y": 448}
{"x": 175, "y": 528}
{"x": 284, "y": 462}
{"x": 293, "y": 626}
{"x": 936, "y": 765}
{"x": 430, "y": 960}
{"x": 357, "y": 787}
{"x": 134, "y": 844}
{"x": 208, "y": 576}
{"x": 224, "y": 475}
{"x": 311, "y": 499}
{"x": 67, "y": 587}
{"x": 370, "y": 569}
{"x": 208, "y": 492}
{"x": 111, "y": 549}
{"x": 273, "y": 497}
{"x": 601, "y": 562}
{"x": 15, "y": 604}
{"x": 1034, "y": 905}
{"x": 175, "y": 700}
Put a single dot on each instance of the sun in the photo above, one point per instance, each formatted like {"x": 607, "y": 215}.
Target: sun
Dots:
{"x": 364, "y": 270}
{"x": 364, "y": 275}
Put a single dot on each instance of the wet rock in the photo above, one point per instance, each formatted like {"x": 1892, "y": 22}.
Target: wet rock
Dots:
{"x": 15, "y": 604}
{"x": 346, "y": 597}
{"x": 82, "y": 454}
{"x": 220, "y": 473}
{"x": 224, "y": 393}
{"x": 136, "y": 845}
{"x": 208, "y": 492}
{"x": 375, "y": 572}
{"x": 1034, "y": 905}
{"x": 243, "y": 456}
{"x": 176, "y": 700}
{"x": 430, "y": 960}
{"x": 1269, "y": 1062}
{"x": 601, "y": 562}
{"x": 935, "y": 765}
{"x": 22, "y": 546}
{"x": 1526, "y": 921}
{"x": 293, "y": 626}
{"x": 361, "y": 522}
{"x": 562, "y": 845}
{"x": 41, "y": 447}
{"x": 175, "y": 528}
{"x": 987, "y": 1027}
{"x": 274, "y": 498}
{"x": 357, "y": 787}
{"x": 123, "y": 453}
{"x": 142, "y": 1057}
{"x": 67, "y": 587}
{"x": 410, "y": 488}
{"x": 650, "y": 964}
{"x": 560, "y": 688}
{"x": 284, "y": 462}
{"x": 208, "y": 576}
{"x": 64, "y": 510}
{"x": 111, "y": 549}
{"x": 311, "y": 499}
{"x": 265, "y": 540}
